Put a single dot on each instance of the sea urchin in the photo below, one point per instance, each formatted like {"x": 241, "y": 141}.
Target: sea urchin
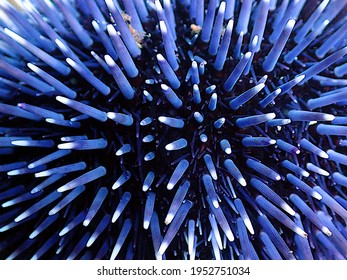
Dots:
{"x": 175, "y": 129}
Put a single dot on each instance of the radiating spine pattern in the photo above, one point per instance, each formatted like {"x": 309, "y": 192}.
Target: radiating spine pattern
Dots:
{"x": 173, "y": 129}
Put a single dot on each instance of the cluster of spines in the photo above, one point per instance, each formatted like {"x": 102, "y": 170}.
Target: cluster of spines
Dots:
{"x": 237, "y": 189}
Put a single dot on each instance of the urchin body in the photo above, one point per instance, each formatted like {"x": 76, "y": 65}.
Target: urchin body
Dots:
{"x": 174, "y": 129}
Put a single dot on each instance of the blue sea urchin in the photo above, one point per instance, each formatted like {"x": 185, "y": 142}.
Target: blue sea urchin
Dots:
{"x": 173, "y": 129}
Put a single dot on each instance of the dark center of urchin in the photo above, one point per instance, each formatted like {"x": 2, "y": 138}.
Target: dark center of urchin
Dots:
{"x": 202, "y": 137}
